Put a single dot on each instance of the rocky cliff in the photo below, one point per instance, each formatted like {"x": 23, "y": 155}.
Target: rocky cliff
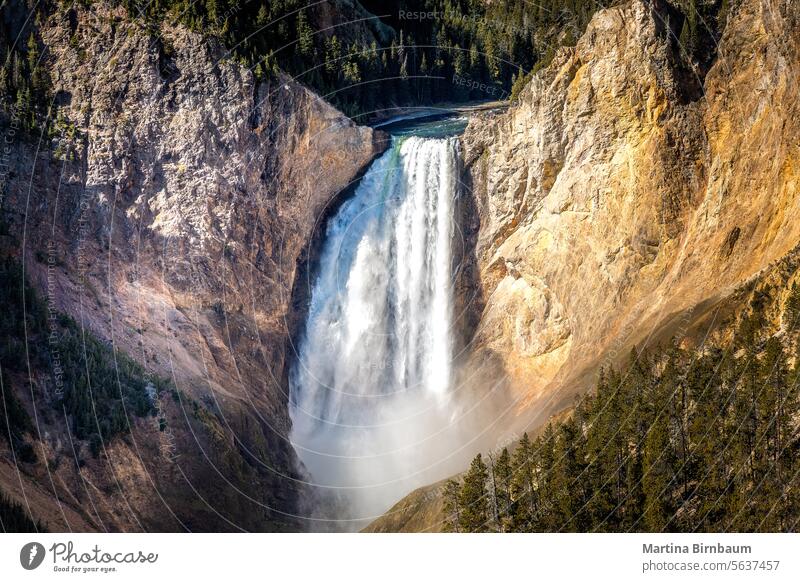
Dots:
{"x": 625, "y": 193}
{"x": 167, "y": 211}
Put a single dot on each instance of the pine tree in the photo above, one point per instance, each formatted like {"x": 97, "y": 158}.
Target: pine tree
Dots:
{"x": 545, "y": 517}
{"x": 14, "y": 518}
{"x": 473, "y": 499}
{"x": 503, "y": 476}
{"x": 658, "y": 477}
{"x": 777, "y": 430}
{"x": 494, "y": 508}
{"x": 706, "y": 424}
{"x": 601, "y": 460}
{"x": 523, "y": 486}
{"x": 263, "y": 16}
{"x": 333, "y": 53}
{"x": 520, "y": 80}
{"x": 305, "y": 41}
{"x": 746, "y": 419}
{"x": 669, "y": 460}
{"x": 566, "y": 480}
{"x": 452, "y": 507}
{"x": 211, "y": 10}
{"x": 637, "y": 389}
{"x": 793, "y": 308}
{"x": 788, "y": 508}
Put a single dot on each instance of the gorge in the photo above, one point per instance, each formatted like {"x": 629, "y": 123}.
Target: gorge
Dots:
{"x": 314, "y": 316}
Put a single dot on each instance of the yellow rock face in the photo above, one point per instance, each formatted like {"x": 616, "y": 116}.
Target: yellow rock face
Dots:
{"x": 611, "y": 199}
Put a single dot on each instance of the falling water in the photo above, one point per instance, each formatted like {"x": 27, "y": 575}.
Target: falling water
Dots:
{"x": 371, "y": 384}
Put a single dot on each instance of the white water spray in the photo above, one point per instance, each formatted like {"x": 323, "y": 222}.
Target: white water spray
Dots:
{"x": 370, "y": 388}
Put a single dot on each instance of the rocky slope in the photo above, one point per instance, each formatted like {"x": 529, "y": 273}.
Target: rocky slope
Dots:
{"x": 623, "y": 192}
{"x": 172, "y": 206}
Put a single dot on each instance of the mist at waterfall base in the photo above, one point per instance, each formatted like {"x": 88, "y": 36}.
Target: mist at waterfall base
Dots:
{"x": 373, "y": 405}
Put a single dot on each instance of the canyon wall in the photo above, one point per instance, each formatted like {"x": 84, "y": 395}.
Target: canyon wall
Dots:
{"x": 167, "y": 214}
{"x": 624, "y": 194}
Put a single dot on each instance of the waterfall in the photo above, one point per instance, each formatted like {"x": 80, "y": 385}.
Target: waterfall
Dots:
{"x": 370, "y": 387}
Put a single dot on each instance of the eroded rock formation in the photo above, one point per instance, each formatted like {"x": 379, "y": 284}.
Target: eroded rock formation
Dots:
{"x": 625, "y": 192}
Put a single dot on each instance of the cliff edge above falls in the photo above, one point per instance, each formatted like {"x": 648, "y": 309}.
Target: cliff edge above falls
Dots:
{"x": 615, "y": 199}
{"x": 176, "y": 197}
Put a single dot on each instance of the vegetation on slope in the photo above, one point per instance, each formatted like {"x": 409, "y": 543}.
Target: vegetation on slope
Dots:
{"x": 89, "y": 394}
{"x": 14, "y": 518}
{"x": 680, "y": 440}
{"x": 98, "y": 389}
{"x": 440, "y": 50}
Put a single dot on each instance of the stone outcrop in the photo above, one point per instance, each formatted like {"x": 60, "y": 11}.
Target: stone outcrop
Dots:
{"x": 616, "y": 203}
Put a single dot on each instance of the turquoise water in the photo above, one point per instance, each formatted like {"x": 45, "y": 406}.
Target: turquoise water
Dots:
{"x": 434, "y": 126}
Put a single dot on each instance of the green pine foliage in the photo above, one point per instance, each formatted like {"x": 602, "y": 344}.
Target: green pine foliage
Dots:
{"x": 487, "y": 43}
{"x": 15, "y": 423}
{"x": 461, "y": 50}
{"x": 793, "y": 308}
{"x": 697, "y": 26}
{"x": 24, "y": 83}
{"x": 501, "y": 488}
{"x": 452, "y": 506}
{"x": 678, "y": 440}
{"x": 473, "y": 498}
{"x": 100, "y": 391}
{"x": 15, "y": 519}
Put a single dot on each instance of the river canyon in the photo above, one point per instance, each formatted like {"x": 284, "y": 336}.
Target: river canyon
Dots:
{"x": 323, "y": 313}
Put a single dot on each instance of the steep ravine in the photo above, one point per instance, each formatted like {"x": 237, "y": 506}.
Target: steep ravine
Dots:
{"x": 177, "y": 199}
